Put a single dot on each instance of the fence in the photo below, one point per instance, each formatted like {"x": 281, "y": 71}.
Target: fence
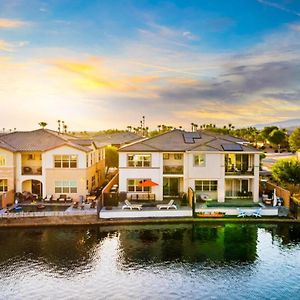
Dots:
{"x": 280, "y": 192}
{"x": 45, "y": 214}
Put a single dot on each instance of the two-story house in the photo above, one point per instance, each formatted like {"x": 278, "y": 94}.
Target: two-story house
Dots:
{"x": 46, "y": 162}
{"x": 220, "y": 166}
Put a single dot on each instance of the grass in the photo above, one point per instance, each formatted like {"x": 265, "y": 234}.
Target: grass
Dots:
{"x": 232, "y": 203}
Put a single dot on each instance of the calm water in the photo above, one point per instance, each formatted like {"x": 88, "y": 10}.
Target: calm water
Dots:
{"x": 151, "y": 262}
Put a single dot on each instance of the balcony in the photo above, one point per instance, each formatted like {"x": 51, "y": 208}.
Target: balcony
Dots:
{"x": 173, "y": 169}
{"x": 236, "y": 171}
{"x": 29, "y": 170}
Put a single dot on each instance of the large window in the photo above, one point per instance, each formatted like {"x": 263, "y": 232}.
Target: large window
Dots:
{"x": 133, "y": 185}
{"x": 199, "y": 160}
{"x": 65, "y": 161}
{"x": 3, "y": 185}
{"x": 67, "y": 186}
{"x": 2, "y": 160}
{"x": 139, "y": 160}
{"x": 206, "y": 185}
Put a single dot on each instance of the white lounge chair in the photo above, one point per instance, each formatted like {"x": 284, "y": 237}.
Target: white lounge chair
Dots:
{"x": 131, "y": 206}
{"x": 241, "y": 213}
{"x": 167, "y": 206}
{"x": 257, "y": 213}
{"x": 48, "y": 198}
{"x": 205, "y": 197}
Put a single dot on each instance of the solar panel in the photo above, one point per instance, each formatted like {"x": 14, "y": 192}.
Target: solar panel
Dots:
{"x": 189, "y": 137}
{"x": 232, "y": 147}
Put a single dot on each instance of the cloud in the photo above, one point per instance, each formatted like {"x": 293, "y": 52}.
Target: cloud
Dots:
{"x": 278, "y": 6}
{"x": 12, "y": 23}
{"x": 295, "y": 26}
{"x": 10, "y": 47}
{"x": 5, "y": 46}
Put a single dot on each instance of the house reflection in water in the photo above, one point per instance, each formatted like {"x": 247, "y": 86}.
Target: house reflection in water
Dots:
{"x": 189, "y": 243}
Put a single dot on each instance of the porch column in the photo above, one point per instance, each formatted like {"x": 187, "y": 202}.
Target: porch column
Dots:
{"x": 256, "y": 179}
{"x": 221, "y": 190}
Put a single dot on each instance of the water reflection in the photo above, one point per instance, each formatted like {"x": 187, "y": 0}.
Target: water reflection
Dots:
{"x": 190, "y": 243}
{"x": 144, "y": 260}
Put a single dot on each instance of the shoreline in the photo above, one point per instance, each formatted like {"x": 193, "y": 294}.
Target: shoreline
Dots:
{"x": 94, "y": 220}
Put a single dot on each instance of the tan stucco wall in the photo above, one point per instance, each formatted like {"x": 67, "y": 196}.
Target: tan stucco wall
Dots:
{"x": 97, "y": 170}
{"x": 78, "y": 175}
{"x": 9, "y": 157}
{"x": 8, "y": 173}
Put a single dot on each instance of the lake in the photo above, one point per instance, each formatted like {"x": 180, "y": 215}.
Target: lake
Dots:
{"x": 190, "y": 261}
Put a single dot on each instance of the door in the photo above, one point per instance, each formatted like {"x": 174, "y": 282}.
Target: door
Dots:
{"x": 245, "y": 186}
{"x": 36, "y": 188}
{"x": 171, "y": 186}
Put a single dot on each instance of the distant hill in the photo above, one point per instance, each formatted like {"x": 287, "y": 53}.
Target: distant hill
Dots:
{"x": 290, "y": 124}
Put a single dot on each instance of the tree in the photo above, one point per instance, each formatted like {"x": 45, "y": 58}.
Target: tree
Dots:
{"x": 276, "y": 137}
{"x": 287, "y": 172}
{"x": 43, "y": 124}
{"x": 294, "y": 140}
{"x": 111, "y": 158}
{"x": 266, "y": 131}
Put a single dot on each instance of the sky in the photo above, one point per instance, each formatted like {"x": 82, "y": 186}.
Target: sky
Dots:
{"x": 100, "y": 64}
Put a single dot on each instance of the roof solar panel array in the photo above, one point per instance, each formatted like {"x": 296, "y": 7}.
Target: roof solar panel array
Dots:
{"x": 189, "y": 137}
{"x": 232, "y": 147}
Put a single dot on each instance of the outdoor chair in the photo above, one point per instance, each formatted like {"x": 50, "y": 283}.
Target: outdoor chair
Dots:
{"x": 167, "y": 206}
{"x": 62, "y": 198}
{"x": 241, "y": 213}
{"x": 257, "y": 213}
{"x": 69, "y": 199}
{"x": 48, "y": 198}
{"x": 205, "y": 197}
{"x": 131, "y": 206}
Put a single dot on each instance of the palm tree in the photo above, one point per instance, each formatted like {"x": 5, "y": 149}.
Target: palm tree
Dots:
{"x": 43, "y": 124}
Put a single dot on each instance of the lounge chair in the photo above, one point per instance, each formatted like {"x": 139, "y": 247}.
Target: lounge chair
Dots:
{"x": 62, "y": 198}
{"x": 257, "y": 213}
{"x": 167, "y": 206}
{"x": 131, "y": 206}
{"x": 48, "y": 198}
{"x": 205, "y": 197}
{"x": 69, "y": 199}
{"x": 241, "y": 213}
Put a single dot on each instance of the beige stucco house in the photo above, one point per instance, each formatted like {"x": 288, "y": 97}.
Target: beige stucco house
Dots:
{"x": 46, "y": 162}
{"x": 219, "y": 166}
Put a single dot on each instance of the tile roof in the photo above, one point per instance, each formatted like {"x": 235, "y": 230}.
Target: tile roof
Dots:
{"x": 118, "y": 138}
{"x": 38, "y": 140}
{"x": 173, "y": 141}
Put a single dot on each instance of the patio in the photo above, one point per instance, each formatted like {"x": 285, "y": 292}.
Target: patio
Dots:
{"x": 149, "y": 210}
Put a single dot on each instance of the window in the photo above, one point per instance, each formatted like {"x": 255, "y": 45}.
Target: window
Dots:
{"x": 133, "y": 185}
{"x": 31, "y": 157}
{"x": 139, "y": 160}
{"x": 2, "y": 160}
{"x": 93, "y": 181}
{"x": 206, "y": 185}
{"x": 67, "y": 186}
{"x": 65, "y": 161}
{"x": 3, "y": 185}
{"x": 199, "y": 160}
{"x": 178, "y": 156}
{"x": 166, "y": 156}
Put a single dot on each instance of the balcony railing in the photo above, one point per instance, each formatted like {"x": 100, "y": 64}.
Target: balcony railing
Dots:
{"x": 173, "y": 169}
{"x": 231, "y": 170}
{"x": 26, "y": 170}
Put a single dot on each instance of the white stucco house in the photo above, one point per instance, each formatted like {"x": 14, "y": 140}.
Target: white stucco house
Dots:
{"x": 220, "y": 166}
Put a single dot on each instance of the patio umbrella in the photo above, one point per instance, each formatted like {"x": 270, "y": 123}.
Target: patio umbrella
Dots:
{"x": 274, "y": 198}
{"x": 148, "y": 183}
